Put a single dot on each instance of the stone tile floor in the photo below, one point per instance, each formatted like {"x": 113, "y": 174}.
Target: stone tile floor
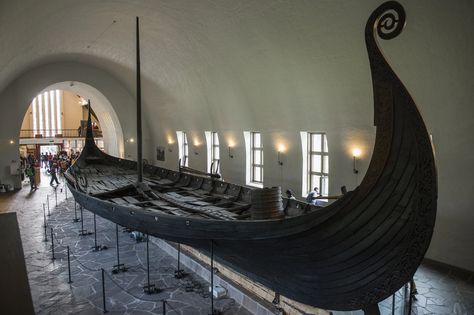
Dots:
{"x": 441, "y": 290}
{"x": 124, "y": 294}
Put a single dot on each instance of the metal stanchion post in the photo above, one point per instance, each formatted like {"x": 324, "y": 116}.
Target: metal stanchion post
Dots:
{"x": 410, "y": 301}
{"x": 149, "y": 288}
{"x": 95, "y": 233}
{"x": 118, "y": 248}
{"x": 65, "y": 190}
{"x": 96, "y": 247}
{"x": 52, "y": 244}
{"x": 179, "y": 273}
{"x": 83, "y": 232}
{"x": 69, "y": 265}
{"x": 118, "y": 267}
{"x": 212, "y": 277}
{"x": 44, "y": 215}
{"x": 45, "y": 225}
{"x": 103, "y": 290}
{"x": 56, "y": 195}
{"x": 45, "y": 232}
{"x": 164, "y": 307}
{"x": 148, "y": 260}
{"x": 405, "y": 298}
{"x": 76, "y": 219}
{"x": 47, "y": 203}
{"x": 393, "y": 304}
{"x": 82, "y": 219}
{"x": 179, "y": 256}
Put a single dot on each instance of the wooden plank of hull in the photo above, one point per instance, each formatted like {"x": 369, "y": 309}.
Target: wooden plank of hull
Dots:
{"x": 349, "y": 255}
{"x": 198, "y": 228}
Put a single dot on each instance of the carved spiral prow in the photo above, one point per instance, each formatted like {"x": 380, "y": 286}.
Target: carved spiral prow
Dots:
{"x": 400, "y": 130}
{"x": 385, "y": 22}
{"x": 388, "y": 19}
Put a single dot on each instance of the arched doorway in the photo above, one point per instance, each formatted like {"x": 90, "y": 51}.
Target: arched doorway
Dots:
{"x": 54, "y": 126}
{"x": 58, "y": 111}
{"x": 88, "y": 81}
{"x": 104, "y": 111}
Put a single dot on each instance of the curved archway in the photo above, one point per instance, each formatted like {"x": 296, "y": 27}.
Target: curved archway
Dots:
{"x": 108, "y": 119}
{"x": 110, "y": 97}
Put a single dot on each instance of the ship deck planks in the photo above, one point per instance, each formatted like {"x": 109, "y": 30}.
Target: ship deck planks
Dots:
{"x": 178, "y": 201}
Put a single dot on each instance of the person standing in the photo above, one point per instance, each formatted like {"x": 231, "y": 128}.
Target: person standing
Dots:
{"x": 53, "y": 170}
{"x": 30, "y": 159}
{"x": 50, "y": 162}
{"x": 30, "y": 172}
{"x": 43, "y": 160}
{"x": 23, "y": 168}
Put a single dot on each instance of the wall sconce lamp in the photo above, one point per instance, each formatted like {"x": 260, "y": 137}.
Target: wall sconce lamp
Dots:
{"x": 12, "y": 142}
{"x": 356, "y": 152}
{"x": 281, "y": 150}
{"x": 231, "y": 145}
{"x": 196, "y": 144}
{"x": 131, "y": 140}
{"x": 170, "y": 144}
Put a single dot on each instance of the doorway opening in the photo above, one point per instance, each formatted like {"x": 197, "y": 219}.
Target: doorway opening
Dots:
{"x": 53, "y": 131}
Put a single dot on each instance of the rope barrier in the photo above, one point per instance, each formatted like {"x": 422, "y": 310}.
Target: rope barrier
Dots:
{"x": 196, "y": 286}
{"x": 73, "y": 254}
{"x": 128, "y": 292}
{"x": 76, "y": 258}
{"x": 57, "y": 241}
{"x": 80, "y": 263}
{"x": 139, "y": 266}
{"x": 55, "y": 238}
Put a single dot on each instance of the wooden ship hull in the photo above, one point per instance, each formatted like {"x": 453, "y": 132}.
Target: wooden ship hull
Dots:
{"x": 348, "y": 255}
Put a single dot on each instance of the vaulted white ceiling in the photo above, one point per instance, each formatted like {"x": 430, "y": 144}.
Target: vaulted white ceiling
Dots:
{"x": 212, "y": 54}
{"x": 286, "y": 56}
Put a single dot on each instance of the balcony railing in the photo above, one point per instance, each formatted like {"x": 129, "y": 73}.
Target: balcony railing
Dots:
{"x": 58, "y": 133}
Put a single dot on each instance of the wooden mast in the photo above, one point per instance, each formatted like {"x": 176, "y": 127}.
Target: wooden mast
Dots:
{"x": 89, "y": 132}
{"x": 139, "y": 111}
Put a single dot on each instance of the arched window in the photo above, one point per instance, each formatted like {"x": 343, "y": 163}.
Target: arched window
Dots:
{"x": 315, "y": 162}
{"x": 254, "y": 158}
{"x": 46, "y": 111}
{"x": 213, "y": 154}
{"x": 182, "y": 148}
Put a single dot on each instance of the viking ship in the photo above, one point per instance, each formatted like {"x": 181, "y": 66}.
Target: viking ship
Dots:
{"x": 349, "y": 255}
